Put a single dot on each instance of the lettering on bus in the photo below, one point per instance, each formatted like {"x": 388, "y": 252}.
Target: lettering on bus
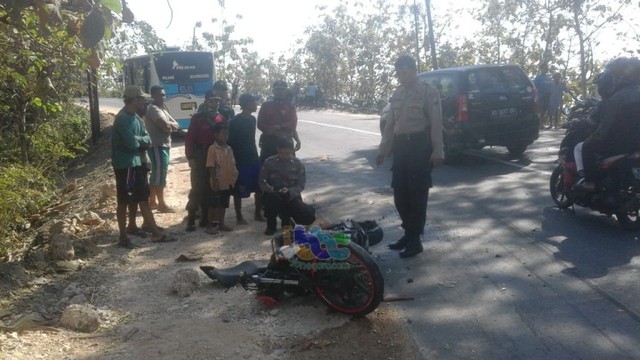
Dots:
{"x": 178, "y": 66}
{"x": 199, "y": 76}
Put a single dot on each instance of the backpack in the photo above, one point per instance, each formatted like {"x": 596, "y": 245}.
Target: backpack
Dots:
{"x": 366, "y": 233}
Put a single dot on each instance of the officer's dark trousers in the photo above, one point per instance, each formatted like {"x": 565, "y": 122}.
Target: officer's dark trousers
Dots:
{"x": 275, "y": 205}
{"x": 200, "y": 193}
{"x": 411, "y": 180}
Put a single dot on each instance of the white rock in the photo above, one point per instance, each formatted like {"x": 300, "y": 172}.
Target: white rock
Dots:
{"x": 108, "y": 189}
{"x": 61, "y": 248}
{"x": 80, "y": 318}
{"x": 90, "y": 218}
{"x": 58, "y": 227}
{"x": 185, "y": 282}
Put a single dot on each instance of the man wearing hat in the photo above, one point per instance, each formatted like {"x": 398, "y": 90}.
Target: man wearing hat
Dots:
{"x": 221, "y": 90}
{"x": 416, "y": 139}
{"x": 129, "y": 139}
{"x": 200, "y": 136}
{"x": 277, "y": 119}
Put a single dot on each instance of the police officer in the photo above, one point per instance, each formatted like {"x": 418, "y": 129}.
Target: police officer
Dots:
{"x": 282, "y": 179}
{"x": 414, "y": 131}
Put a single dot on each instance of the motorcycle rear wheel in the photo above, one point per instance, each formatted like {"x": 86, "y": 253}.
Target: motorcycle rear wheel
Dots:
{"x": 355, "y": 291}
{"x": 556, "y": 187}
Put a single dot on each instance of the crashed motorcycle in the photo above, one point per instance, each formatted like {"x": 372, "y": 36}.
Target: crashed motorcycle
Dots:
{"x": 331, "y": 264}
{"x": 618, "y": 177}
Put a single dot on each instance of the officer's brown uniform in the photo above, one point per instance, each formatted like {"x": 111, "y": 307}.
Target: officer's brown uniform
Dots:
{"x": 279, "y": 174}
{"x": 414, "y": 133}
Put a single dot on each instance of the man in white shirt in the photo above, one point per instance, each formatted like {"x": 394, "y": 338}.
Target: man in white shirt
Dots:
{"x": 160, "y": 124}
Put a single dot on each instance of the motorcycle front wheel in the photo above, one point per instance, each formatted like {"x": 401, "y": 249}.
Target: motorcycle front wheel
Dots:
{"x": 354, "y": 286}
{"x": 556, "y": 187}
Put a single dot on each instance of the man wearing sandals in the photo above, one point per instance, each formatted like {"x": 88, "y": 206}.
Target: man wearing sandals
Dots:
{"x": 129, "y": 137}
{"x": 160, "y": 124}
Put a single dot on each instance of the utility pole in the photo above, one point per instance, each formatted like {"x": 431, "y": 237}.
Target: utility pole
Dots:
{"x": 416, "y": 25}
{"x": 432, "y": 40}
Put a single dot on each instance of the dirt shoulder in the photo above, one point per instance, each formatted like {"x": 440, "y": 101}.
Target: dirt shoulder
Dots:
{"x": 141, "y": 318}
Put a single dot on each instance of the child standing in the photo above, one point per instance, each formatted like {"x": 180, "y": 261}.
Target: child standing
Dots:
{"x": 242, "y": 139}
{"x": 222, "y": 177}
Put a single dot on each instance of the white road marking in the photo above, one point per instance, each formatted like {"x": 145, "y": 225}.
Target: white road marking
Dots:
{"x": 476, "y": 153}
{"x": 340, "y": 127}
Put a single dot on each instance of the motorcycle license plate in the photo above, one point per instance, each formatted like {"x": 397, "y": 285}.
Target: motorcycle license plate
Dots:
{"x": 636, "y": 172}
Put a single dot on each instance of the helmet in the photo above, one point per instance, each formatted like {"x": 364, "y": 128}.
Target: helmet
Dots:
{"x": 617, "y": 74}
{"x": 606, "y": 84}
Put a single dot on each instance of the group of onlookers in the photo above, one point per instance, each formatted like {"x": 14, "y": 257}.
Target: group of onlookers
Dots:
{"x": 223, "y": 159}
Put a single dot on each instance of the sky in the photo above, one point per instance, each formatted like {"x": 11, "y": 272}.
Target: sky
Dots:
{"x": 274, "y": 25}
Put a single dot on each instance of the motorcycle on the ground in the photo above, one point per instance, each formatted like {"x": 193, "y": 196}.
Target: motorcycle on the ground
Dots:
{"x": 618, "y": 184}
{"x": 339, "y": 271}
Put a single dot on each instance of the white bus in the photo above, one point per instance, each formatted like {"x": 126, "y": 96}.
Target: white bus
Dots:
{"x": 185, "y": 76}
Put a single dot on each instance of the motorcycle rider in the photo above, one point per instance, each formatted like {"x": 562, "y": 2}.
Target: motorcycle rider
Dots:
{"x": 618, "y": 117}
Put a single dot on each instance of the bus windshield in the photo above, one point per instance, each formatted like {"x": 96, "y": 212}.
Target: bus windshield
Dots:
{"x": 184, "y": 67}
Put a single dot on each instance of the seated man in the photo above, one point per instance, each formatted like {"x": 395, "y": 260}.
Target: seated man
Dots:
{"x": 282, "y": 179}
{"x": 618, "y": 130}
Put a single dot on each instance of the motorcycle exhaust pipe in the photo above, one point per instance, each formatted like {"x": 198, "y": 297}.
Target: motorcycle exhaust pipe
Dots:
{"x": 279, "y": 281}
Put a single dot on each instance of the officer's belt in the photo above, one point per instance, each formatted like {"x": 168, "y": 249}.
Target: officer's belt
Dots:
{"x": 421, "y": 135}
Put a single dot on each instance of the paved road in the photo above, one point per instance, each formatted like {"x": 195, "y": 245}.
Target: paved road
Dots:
{"x": 505, "y": 274}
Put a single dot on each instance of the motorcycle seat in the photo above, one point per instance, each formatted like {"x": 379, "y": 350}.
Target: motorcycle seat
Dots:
{"x": 231, "y": 276}
{"x": 607, "y": 162}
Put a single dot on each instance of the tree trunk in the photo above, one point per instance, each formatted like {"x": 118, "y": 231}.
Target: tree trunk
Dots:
{"x": 94, "y": 106}
{"x": 432, "y": 41}
{"x": 577, "y": 9}
{"x": 22, "y": 134}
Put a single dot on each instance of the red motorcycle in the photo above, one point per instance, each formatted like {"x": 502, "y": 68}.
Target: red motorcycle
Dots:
{"x": 618, "y": 177}
{"x": 330, "y": 264}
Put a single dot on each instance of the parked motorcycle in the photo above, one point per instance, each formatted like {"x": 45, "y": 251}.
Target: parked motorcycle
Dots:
{"x": 340, "y": 272}
{"x": 618, "y": 186}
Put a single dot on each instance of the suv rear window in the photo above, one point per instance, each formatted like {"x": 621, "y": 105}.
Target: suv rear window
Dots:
{"x": 445, "y": 84}
{"x": 497, "y": 80}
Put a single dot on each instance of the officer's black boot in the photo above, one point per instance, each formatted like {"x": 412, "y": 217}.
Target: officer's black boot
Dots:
{"x": 272, "y": 223}
{"x": 191, "y": 221}
{"x": 398, "y": 245}
{"x": 412, "y": 248}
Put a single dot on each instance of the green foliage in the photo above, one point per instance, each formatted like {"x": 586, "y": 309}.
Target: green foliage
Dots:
{"x": 60, "y": 139}
{"x": 24, "y": 190}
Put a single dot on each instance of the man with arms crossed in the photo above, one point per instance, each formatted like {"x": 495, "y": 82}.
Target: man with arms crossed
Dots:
{"x": 160, "y": 124}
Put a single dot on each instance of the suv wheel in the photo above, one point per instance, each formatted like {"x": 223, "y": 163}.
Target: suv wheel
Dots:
{"x": 517, "y": 149}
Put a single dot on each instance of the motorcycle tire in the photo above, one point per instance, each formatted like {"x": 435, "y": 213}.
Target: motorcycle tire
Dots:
{"x": 355, "y": 291}
{"x": 557, "y": 190}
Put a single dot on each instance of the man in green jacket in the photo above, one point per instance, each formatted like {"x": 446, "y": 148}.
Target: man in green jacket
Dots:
{"x": 128, "y": 144}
